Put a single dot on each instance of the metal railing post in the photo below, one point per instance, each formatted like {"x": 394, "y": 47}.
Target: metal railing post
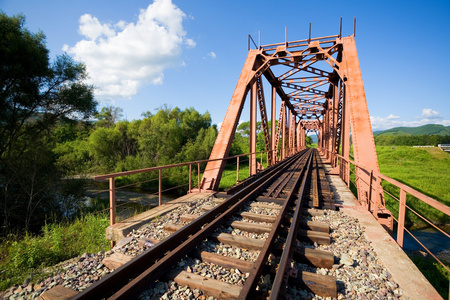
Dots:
{"x": 190, "y": 178}
{"x": 112, "y": 204}
{"x": 401, "y": 218}
{"x": 261, "y": 161}
{"x": 370, "y": 189}
{"x": 198, "y": 178}
{"x": 237, "y": 169}
{"x": 112, "y": 201}
{"x": 159, "y": 187}
{"x": 347, "y": 171}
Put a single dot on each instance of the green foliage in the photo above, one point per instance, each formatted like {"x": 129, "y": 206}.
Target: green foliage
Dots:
{"x": 36, "y": 96}
{"x": 436, "y": 274}
{"x": 429, "y": 129}
{"x": 411, "y": 140}
{"x": 229, "y": 174}
{"x": 58, "y": 242}
{"x": 108, "y": 116}
{"x": 425, "y": 170}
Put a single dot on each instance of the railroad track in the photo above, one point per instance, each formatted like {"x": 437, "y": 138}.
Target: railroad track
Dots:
{"x": 285, "y": 188}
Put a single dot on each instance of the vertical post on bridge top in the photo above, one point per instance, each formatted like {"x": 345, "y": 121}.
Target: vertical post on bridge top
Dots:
{"x": 285, "y": 36}
{"x": 259, "y": 39}
{"x": 309, "y": 38}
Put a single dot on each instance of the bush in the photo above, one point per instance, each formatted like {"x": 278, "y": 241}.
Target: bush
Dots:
{"x": 57, "y": 243}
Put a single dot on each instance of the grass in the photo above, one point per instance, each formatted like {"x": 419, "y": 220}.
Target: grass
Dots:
{"x": 21, "y": 257}
{"x": 229, "y": 174}
{"x": 436, "y": 274}
{"x": 424, "y": 169}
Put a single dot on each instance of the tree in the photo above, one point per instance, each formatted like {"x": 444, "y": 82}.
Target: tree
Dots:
{"x": 108, "y": 116}
{"x": 308, "y": 140}
{"x": 35, "y": 95}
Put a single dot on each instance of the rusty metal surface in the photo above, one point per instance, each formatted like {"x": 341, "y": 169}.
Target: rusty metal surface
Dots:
{"x": 320, "y": 85}
{"x": 225, "y": 137}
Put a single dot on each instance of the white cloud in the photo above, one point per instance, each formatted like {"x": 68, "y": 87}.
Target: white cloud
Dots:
{"x": 392, "y": 117}
{"x": 212, "y": 55}
{"x": 121, "y": 57}
{"x": 191, "y": 43}
{"x": 430, "y": 114}
{"x": 380, "y": 123}
{"x": 91, "y": 28}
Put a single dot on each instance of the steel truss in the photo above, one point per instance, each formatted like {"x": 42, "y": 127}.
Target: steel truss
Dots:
{"x": 320, "y": 86}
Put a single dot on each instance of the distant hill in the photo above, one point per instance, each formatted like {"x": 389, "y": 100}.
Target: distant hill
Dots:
{"x": 421, "y": 130}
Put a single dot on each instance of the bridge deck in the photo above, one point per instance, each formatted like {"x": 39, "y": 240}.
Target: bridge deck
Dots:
{"x": 398, "y": 264}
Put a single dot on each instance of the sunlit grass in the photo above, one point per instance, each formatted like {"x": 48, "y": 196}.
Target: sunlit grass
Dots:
{"x": 21, "y": 256}
{"x": 424, "y": 169}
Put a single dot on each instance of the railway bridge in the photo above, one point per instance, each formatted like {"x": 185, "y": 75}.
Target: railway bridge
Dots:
{"x": 265, "y": 237}
{"x": 319, "y": 85}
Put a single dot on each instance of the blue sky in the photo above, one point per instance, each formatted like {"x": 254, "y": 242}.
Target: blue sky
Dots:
{"x": 144, "y": 54}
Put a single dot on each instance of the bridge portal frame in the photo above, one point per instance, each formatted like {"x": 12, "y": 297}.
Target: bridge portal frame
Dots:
{"x": 335, "y": 113}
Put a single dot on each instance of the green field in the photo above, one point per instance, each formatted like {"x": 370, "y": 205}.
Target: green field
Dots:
{"x": 424, "y": 169}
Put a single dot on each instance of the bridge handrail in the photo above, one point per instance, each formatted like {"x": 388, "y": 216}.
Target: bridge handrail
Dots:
{"x": 144, "y": 170}
{"x": 430, "y": 201}
{"x": 325, "y": 39}
{"x": 112, "y": 186}
{"x": 404, "y": 189}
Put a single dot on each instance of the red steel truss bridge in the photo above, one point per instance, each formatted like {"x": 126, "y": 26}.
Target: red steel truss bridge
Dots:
{"x": 319, "y": 84}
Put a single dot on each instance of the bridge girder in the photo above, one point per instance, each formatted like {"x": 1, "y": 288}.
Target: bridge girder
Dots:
{"x": 320, "y": 86}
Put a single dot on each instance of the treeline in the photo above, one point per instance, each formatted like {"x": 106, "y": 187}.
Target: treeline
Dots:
{"x": 80, "y": 147}
{"x": 169, "y": 136}
{"x": 412, "y": 140}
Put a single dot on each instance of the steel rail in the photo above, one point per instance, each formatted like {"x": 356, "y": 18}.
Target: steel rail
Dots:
{"x": 252, "y": 280}
{"x": 151, "y": 264}
{"x": 157, "y": 270}
{"x": 286, "y": 257}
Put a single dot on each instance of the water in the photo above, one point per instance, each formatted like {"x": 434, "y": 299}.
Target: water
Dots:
{"x": 434, "y": 240}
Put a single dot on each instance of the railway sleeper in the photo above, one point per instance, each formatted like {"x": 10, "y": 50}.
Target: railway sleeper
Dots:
{"x": 253, "y": 204}
{"x": 312, "y": 225}
{"x": 312, "y": 237}
{"x": 238, "y": 241}
{"x": 211, "y": 287}
{"x": 241, "y": 225}
{"x": 322, "y": 205}
{"x": 279, "y": 200}
{"x": 247, "y": 215}
{"x": 225, "y": 261}
{"x": 321, "y": 285}
{"x": 312, "y": 257}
